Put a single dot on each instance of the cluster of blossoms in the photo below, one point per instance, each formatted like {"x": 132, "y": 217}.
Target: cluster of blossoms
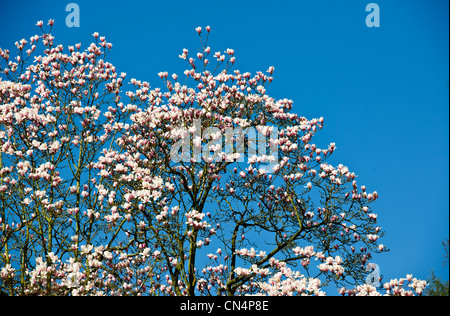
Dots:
{"x": 194, "y": 219}
{"x": 94, "y": 200}
{"x": 278, "y": 279}
{"x": 99, "y": 275}
{"x": 52, "y": 276}
{"x": 395, "y": 287}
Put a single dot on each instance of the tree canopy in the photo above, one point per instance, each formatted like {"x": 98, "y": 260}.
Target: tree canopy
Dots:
{"x": 206, "y": 186}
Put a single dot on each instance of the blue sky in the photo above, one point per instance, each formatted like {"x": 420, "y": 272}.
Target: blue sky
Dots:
{"x": 383, "y": 92}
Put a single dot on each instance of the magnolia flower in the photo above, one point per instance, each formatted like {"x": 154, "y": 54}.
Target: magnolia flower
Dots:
{"x": 73, "y": 279}
{"x": 86, "y": 248}
{"x": 7, "y": 271}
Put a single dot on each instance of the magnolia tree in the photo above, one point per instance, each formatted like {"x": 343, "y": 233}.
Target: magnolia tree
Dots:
{"x": 206, "y": 186}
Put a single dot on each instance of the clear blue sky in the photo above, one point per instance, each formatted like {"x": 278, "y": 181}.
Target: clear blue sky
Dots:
{"x": 384, "y": 92}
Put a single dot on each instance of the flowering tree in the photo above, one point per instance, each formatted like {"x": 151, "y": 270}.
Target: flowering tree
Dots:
{"x": 170, "y": 191}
